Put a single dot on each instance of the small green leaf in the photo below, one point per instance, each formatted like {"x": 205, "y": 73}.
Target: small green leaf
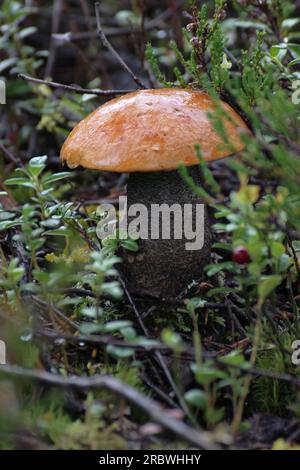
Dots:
{"x": 277, "y": 249}
{"x": 294, "y": 62}
{"x": 130, "y": 245}
{"x": 90, "y": 328}
{"x": 56, "y": 177}
{"x": 268, "y": 284}
{"x": 8, "y": 224}
{"x": 19, "y": 182}
{"x": 197, "y": 398}
{"x": 60, "y": 232}
{"x": 36, "y": 165}
{"x": 277, "y": 50}
{"x": 234, "y": 358}
{"x": 26, "y": 32}
{"x": 119, "y": 353}
{"x": 4, "y": 64}
{"x": 117, "y": 325}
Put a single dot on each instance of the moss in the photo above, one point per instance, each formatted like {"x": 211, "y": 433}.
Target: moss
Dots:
{"x": 271, "y": 395}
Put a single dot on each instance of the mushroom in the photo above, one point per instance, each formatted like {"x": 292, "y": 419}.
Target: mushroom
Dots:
{"x": 148, "y": 133}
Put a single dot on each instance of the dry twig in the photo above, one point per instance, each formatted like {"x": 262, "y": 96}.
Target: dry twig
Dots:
{"x": 199, "y": 438}
{"x": 108, "y": 45}
{"x": 158, "y": 355}
{"x": 74, "y": 88}
{"x": 16, "y": 161}
{"x": 56, "y": 17}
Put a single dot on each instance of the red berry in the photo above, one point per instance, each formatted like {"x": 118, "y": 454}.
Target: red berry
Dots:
{"x": 240, "y": 255}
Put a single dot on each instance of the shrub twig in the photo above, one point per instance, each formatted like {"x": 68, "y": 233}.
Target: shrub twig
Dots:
{"x": 199, "y": 438}
{"x": 158, "y": 355}
{"x": 74, "y": 88}
{"x": 108, "y": 45}
{"x": 10, "y": 156}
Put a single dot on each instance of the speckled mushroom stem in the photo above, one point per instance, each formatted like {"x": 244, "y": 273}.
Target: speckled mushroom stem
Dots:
{"x": 163, "y": 268}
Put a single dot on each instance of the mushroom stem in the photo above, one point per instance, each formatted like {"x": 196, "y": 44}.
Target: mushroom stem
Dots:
{"x": 162, "y": 268}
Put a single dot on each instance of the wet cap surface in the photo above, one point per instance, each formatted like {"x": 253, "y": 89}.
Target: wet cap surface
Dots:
{"x": 152, "y": 130}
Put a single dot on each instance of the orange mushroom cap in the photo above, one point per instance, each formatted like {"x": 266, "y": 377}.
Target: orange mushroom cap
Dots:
{"x": 152, "y": 130}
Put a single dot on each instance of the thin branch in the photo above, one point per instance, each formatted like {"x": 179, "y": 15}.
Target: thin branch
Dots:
{"x": 64, "y": 319}
{"x": 55, "y": 22}
{"x": 282, "y": 377}
{"x": 108, "y": 45}
{"x": 100, "y": 340}
{"x": 157, "y": 354}
{"x": 64, "y": 38}
{"x": 238, "y": 415}
{"x": 16, "y": 161}
{"x": 294, "y": 254}
{"x": 199, "y": 438}
{"x": 74, "y": 88}
{"x": 159, "y": 392}
{"x": 86, "y": 11}
{"x": 231, "y": 57}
